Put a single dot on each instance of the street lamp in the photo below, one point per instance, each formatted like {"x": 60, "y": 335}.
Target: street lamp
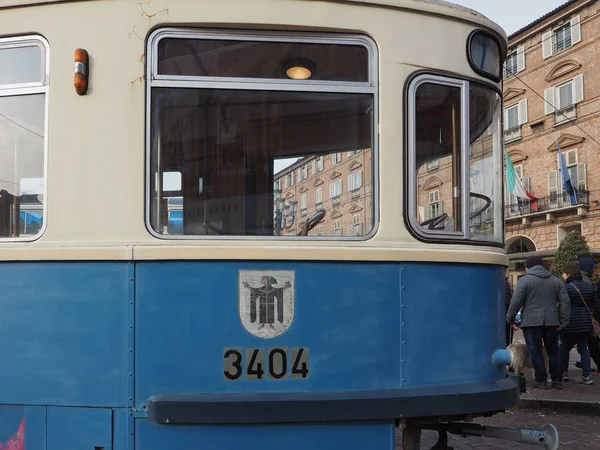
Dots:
{"x": 285, "y": 214}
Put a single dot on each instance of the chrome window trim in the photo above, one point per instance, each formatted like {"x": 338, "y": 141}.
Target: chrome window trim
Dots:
{"x": 451, "y": 236}
{"x": 32, "y": 89}
{"x": 194, "y": 82}
{"x": 412, "y": 174}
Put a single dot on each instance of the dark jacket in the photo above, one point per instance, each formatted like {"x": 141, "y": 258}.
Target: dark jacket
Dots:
{"x": 508, "y": 292}
{"x": 581, "y": 321}
{"x": 542, "y": 299}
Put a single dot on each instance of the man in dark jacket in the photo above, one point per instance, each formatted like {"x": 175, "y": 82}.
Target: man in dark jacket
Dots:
{"x": 545, "y": 310}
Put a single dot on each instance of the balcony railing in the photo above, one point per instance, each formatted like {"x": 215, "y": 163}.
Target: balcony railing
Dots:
{"x": 546, "y": 204}
{"x": 512, "y": 134}
{"x": 565, "y": 114}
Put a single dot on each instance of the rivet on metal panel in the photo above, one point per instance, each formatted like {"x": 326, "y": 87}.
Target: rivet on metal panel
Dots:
{"x": 403, "y": 361}
{"x": 404, "y": 306}
{"x": 403, "y": 324}
{"x": 403, "y": 342}
{"x": 404, "y": 380}
{"x": 130, "y": 303}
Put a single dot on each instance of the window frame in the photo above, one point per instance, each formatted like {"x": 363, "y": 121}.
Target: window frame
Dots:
{"x": 156, "y": 80}
{"x": 32, "y": 88}
{"x": 413, "y": 82}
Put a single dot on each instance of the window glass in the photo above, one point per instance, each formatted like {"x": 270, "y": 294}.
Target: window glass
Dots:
{"x": 438, "y": 137}
{"x": 485, "y": 195}
{"x": 22, "y": 135}
{"x": 512, "y": 115}
{"x": 242, "y": 144}
{"x": 445, "y": 160}
{"x": 278, "y": 60}
{"x": 250, "y": 157}
{"x": 22, "y": 64}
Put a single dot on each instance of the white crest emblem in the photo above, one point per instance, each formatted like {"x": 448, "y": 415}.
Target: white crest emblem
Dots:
{"x": 266, "y": 301}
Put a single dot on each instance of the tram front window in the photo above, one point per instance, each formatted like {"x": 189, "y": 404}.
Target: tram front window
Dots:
{"x": 456, "y": 175}
{"x": 234, "y": 155}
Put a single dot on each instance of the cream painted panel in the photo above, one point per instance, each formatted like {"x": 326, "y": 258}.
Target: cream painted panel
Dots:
{"x": 96, "y": 147}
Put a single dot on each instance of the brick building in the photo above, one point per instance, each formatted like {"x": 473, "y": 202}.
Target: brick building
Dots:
{"x": 552, "y": 92}
{"x": 339, "y": 183}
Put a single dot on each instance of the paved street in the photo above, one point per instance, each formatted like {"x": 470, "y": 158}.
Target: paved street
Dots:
{"x": 576, "y": 432}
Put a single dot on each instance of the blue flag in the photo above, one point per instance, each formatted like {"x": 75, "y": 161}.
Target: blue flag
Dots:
{"x": 566, "y": 176}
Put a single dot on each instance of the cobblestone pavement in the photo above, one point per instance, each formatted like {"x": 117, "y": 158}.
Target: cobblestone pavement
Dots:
{"x": 575, "y": 432}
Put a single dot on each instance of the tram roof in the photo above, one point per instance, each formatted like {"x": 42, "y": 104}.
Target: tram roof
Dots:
{"x": 441, "y": 7}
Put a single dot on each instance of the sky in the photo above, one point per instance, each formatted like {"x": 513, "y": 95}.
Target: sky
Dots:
{"x": 511, "y": 14}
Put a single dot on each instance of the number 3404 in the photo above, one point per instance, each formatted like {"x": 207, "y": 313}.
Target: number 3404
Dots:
{"x": 278, "y": 364}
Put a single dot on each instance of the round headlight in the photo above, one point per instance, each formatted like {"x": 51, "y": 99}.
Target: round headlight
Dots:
{"x": 483, "y": 53}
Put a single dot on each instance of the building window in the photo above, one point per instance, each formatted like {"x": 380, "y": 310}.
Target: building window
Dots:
{"x": 335, "y": 189}
{"x": 303, "y": 205}
{"x": 435, "y": 205}
{"x": 562, "y": 231}
{"x": 436, "y": 103}
{"x": 562, "y": 100}
{"x": 559, "y": 197}
{"x": 433, "y": 164}
{"x": 203, "y": 85}
{"x": 356, "y": 228}
{"x": 337, "y": 227}
{"x": 289, "y": 180}
{"x": 320, "y": 230}
{"x": 355, "y": 181}
{"x": 302, "y": 172}
{"x": 514, "y": 117}
{"x": 353, "y": 153}
{"x": 24, "y": 79}
{"x": 336, "y": 158}
{"x": 561, "y": 38}
{"x": 277, "y": 184}
{"x": 319, "y": 197}
{"x": 317, "y": 165}
{"x": 515, "y": 62}
{"x": 513, "y": 206}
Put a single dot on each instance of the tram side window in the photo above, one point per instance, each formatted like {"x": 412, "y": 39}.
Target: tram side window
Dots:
{"x": 438, "y": 138}
{"x": 456, "y": 178}
{"x": 23, "y": 90}
{"x": 250, "y": 153}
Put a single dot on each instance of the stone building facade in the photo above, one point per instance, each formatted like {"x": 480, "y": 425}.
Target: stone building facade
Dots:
{"x": 339, "y": 183}
{"x": 552, "y": 93}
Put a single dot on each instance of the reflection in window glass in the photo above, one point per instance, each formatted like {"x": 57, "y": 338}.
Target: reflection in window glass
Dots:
{"x": 444, "y": 205}
{"x": 485, "y": 168}
{"x": 438, "y": 138}
{"x": 275, "y": 60}
{"x": 22, "y": 131}
{"x": 25, "y": 65}
{"x": 246, "y": 148}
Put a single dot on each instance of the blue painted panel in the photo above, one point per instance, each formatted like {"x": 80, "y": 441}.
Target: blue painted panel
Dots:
{"x": 187, "y": 312}
{"x": 121, "y": 429}
{"x": 63, "y": 333}
{"x": 79, "y": 428}
{"x": 35, "y": 427}
{"x": 23, "y": 425}
{"x": 350, "y": 436}
{"x": 453, "y": 318}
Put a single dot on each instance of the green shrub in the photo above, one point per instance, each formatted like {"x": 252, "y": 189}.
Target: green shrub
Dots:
{"x": 573, "y": 247}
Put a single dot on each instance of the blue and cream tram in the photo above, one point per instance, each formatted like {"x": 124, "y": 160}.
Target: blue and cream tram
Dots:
{"x": 248, "y": 224}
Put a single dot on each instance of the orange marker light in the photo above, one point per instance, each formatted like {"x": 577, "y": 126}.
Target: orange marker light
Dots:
{"x": 81, "y": 71}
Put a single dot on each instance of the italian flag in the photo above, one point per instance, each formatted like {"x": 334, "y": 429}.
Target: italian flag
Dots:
{"x": 515, "y": 187}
